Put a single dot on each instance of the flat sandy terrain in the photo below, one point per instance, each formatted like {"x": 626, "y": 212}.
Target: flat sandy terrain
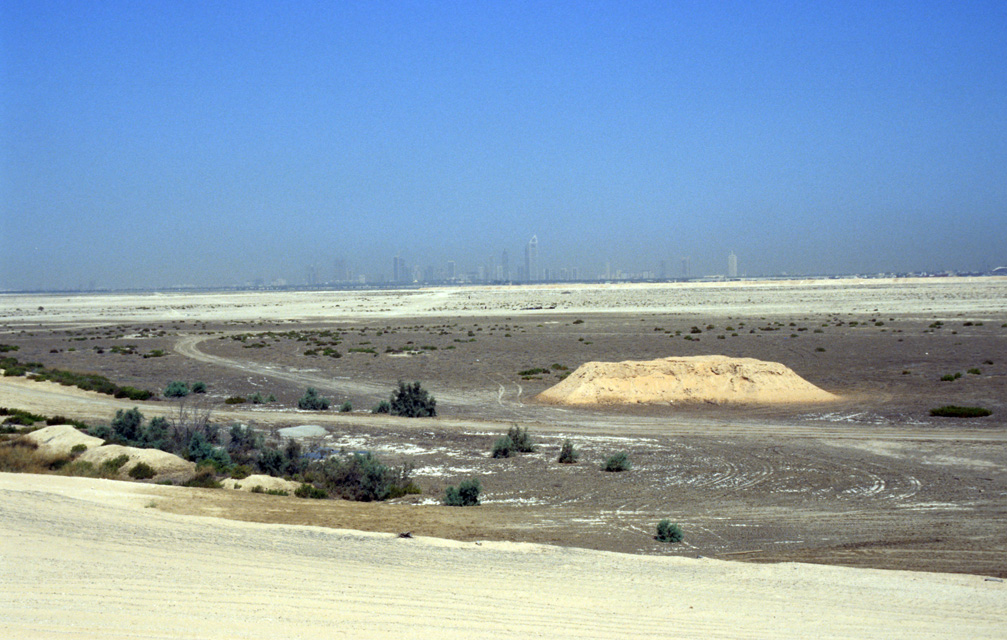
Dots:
{"x": 97, "y": 559}
{"x": 870, "y": 481}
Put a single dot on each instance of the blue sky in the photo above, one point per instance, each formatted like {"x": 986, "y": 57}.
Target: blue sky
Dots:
{"x": 147, "y": 144}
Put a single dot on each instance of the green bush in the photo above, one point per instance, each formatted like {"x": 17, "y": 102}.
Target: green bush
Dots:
{"x": 668, "y": 531}
{"x": 361, "y": 477}
{"x": 617, "y": 462}
{"x": 110, "y": 468}
{"x": 412, "y": 401}
{"x": 310, "y": 491}
{"x": 382, "y": 407}
{"x": 176, "y": 389}
{"x": 142, "y": 471}
{"x": 567, "y": 454}
{"x": 205, "y": 478}
{"x": 346, "y": 407}
{"x": 522, "y": 441}
{"x": 951, "y": 377}
{"x": 952, "y": 411}
{"x": 199, "y": 387}
{"x": 311, "y": 401}
{"x": 974, "y": 371}
{"x": 235, "y": 400}
{"x": 466, "y": 494}
{"x": 503, "y": 447}
{"x": 127, "y": 424}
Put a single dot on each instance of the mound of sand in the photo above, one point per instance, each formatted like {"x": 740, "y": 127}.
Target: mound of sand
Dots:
{"x": 60, "y": 439}
{"x": 163, "y": 463}
{"x": 715, "y": 379}
{"x": 268, "y": 483}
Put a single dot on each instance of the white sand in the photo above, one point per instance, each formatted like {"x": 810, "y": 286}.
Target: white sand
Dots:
{"x": 163, "y": 463}
{"x": 268, "y": 483}
{"x": 937, "y": 297}
{"x": 716, "y": 379}
{"x": 95, "y": 563}
{"x": 60, "y": 439}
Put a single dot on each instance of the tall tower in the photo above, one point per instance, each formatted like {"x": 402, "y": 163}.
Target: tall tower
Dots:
{"x": 732, "y": 266}
{"x": 399, "y": 271}
{"x": 505, "y": 267}
{"x": 531, "y": 259}
{"x": 685, "y": 267}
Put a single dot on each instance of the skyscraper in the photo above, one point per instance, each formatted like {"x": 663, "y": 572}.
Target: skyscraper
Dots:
{"x": 399, "y": 271}
{"x": 685, "y": 267}
{"x": 505, "y": 267}
{"x": 732, "y": 266}
{"x": 531, "y": 259}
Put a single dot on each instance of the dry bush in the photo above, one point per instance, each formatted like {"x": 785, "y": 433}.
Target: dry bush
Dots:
{"x": 21, "y": 455}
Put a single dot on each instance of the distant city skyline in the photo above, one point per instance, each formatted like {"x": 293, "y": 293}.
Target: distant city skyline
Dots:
{"x": 148, "y": 145}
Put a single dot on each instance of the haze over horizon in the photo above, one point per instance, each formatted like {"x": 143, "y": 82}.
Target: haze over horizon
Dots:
{"x": 160, "y": 144}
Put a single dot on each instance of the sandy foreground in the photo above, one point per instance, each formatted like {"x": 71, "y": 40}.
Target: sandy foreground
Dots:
{"x": 84, "y": 558}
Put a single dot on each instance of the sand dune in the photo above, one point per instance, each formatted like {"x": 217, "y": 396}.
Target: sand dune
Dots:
{"x": 101, "y": 561}
{"x": 715, "y": 379}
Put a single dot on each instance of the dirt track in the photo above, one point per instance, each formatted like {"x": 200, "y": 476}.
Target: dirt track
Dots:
{"x": 873, "y": 481}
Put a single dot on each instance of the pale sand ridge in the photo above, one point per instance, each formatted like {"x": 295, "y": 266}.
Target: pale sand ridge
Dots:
{"x": 714, "y": 379}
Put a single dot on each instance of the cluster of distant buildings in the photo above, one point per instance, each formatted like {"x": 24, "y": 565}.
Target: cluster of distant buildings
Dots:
{"x": 500, "y": 270}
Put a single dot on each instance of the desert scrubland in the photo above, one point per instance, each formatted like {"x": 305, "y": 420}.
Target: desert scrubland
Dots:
{"x": 868, "y": 480}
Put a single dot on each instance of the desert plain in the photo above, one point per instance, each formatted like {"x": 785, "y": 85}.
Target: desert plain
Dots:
{"x": 863, "y": 516}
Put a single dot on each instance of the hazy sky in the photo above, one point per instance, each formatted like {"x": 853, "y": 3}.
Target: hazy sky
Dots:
{"x": 153, "y": 144}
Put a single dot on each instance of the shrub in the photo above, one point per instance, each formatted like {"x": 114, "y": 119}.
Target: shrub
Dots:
{"x": 235, "y": 400}
{"x": 951, "y": 377}
{"x": 412, "y": 401}
{"x": 361, "y": 477}
{"x": 110, "y": 468}
{"x": 382, "y": 407}
{"x": 668, "y": 531}
{"x": 310, "y": 491}
{"x": 199, "y": 387}
{"x": 617, "y": 462}
{"x": 127, "y": 424}
{"x": 346, "y": 407}
{"x": 503, "y": 447}
{"x": 974, "y": 371}
{"x": 567, "y": 454}
{"x": 142, "y": 471}
{"x": 952, "y": 411}
{"x": 204, "y": 478}
{"x": 176, "y": 389}
{"x": 466, "y": 494}
{"x": 311, "y": 401}
{"x": 78, "y": 449}
{"x": 522, "y": 441}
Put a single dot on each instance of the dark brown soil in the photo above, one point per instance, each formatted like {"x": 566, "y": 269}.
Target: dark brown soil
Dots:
{"x": 871, "y": 480}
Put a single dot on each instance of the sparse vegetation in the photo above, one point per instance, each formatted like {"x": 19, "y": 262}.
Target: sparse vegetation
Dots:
{"x": 86, "y": 381}
{"x": 307, "y": 490}
{"x": 382, "y": 407}
{"x": 951, "y": 377}
{"x": 346, "y": 407}
{"x": 617, "y": 462}
{"x": 466, "y": 494}
{"x": 667, "y": 531}
{"x": 567, "y": 454}
{"x": 952, "y": 411}
{"x": 362, "y": 477}
{"x": 311, "y": 401}
{"x": 142, "y": 471}
{"x": 412, "y": 401}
